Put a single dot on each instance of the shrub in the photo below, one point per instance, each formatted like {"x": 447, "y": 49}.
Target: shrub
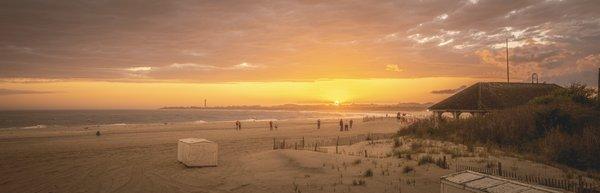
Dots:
{"x": 562, "y": 127}
{"x": 368, "y": 173}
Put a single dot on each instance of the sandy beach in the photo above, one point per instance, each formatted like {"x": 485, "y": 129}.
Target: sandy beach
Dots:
{"x": 142, "y": 158}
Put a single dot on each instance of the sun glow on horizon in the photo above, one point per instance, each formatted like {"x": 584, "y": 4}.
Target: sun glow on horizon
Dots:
{"x": 152, "y": 95}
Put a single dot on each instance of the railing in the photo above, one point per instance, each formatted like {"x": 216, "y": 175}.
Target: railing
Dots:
{"x": 574, "y": 185}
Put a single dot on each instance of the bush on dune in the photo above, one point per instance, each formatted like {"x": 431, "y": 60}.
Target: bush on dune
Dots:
{"x": 563, "y": 127}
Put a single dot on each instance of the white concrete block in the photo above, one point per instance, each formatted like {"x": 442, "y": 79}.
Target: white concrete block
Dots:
{"x": 196, "y": 152}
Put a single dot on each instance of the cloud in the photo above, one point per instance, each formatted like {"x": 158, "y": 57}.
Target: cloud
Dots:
{"x": 21, "y": 92}
{"x": 244, "y": 65}
{"x": 209, "y": 41}
{"x": 192, "y": 66}
{"x": 188, "y": 66}
{"x": 393, "y": 68}
{"x": 139, "y": 69}
{"x": 449, "y": 91}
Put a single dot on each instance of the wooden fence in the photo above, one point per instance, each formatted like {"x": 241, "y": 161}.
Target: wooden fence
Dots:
{"x": 575, "y": 185}
{"x": 315, "y": 142}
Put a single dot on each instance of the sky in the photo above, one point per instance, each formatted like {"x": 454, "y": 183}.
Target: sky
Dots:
{"x": 148, "y": 54}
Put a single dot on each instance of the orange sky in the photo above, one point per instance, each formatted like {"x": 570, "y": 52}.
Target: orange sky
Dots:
{"x": 122, "y": 95}
{"x": 149, "y": 54}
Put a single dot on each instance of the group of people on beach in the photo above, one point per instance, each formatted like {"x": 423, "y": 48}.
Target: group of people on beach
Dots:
{"x": 347, "y": 126}
{"x": 343, "y": 126}
{"x": 238, "y": 125}
{"x": 273, "y": 125}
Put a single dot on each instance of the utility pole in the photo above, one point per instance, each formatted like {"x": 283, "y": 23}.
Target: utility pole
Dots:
{"x": 204, "y": 103}
{"x": 507, "y": 69}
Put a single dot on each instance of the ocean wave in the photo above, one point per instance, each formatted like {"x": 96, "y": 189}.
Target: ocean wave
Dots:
{"x": 117, "y": 124}
{"x": 35, "y": 127}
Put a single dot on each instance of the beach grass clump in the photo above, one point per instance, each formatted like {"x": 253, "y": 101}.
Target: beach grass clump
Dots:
{"x": 397, "y": 142}
{"x": 359, "y": 182}
{"x": 368, "y": 173}
{"x": 426, "y": 159}
{"x": 453, "y": 152}
{"x": 441, "y": 162}
{"x": 408, "y": 169}
{"x": 416, "y": 146}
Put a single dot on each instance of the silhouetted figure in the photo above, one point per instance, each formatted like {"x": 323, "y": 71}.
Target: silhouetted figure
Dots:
{"x": 318, "y": 123}
{"x": 351, "y": 122}
{"x": 238, "y": 125}
{"x": 346, "y": 127}
{"x": 271, "y": 125}
{"x": 398, "y": 116}
{"x": 341, "y": 125}
{"x": 98, "y": 133}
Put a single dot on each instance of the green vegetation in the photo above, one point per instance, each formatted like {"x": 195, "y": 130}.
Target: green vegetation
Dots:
{"x": 563, "y": 127}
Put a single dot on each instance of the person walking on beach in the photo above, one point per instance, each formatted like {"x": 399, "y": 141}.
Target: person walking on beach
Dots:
{"x": 271, "y": 125}
{"x": 346, "y": 127}
{"x": 237, "y": 125}
{"x": 351, "y": 121}
{"x": 318, "y": 123}
{"x": 341, "y": 125}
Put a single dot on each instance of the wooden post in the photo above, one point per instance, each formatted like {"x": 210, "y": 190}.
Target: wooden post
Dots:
{"x": 274, "y": 144}
{"x": 337, "y": 143}
{"x": 366, "y": 153}
{"x": 500, "y": 168}
{"x": 283, "y": 144}
{"x": 302, "y": 142}
{"x": 580, "y": 186}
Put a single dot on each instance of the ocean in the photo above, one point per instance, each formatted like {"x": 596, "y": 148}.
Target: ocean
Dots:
{"x": 32, "y": 119}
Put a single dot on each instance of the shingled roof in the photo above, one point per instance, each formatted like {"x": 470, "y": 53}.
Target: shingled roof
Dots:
{"x": 484, "y": 96}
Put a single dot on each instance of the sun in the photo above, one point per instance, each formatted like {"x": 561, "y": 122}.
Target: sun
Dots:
{"x": 336, "y": 103}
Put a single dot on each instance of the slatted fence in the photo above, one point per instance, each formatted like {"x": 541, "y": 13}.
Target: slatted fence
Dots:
{"x": 574, "y": 185}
